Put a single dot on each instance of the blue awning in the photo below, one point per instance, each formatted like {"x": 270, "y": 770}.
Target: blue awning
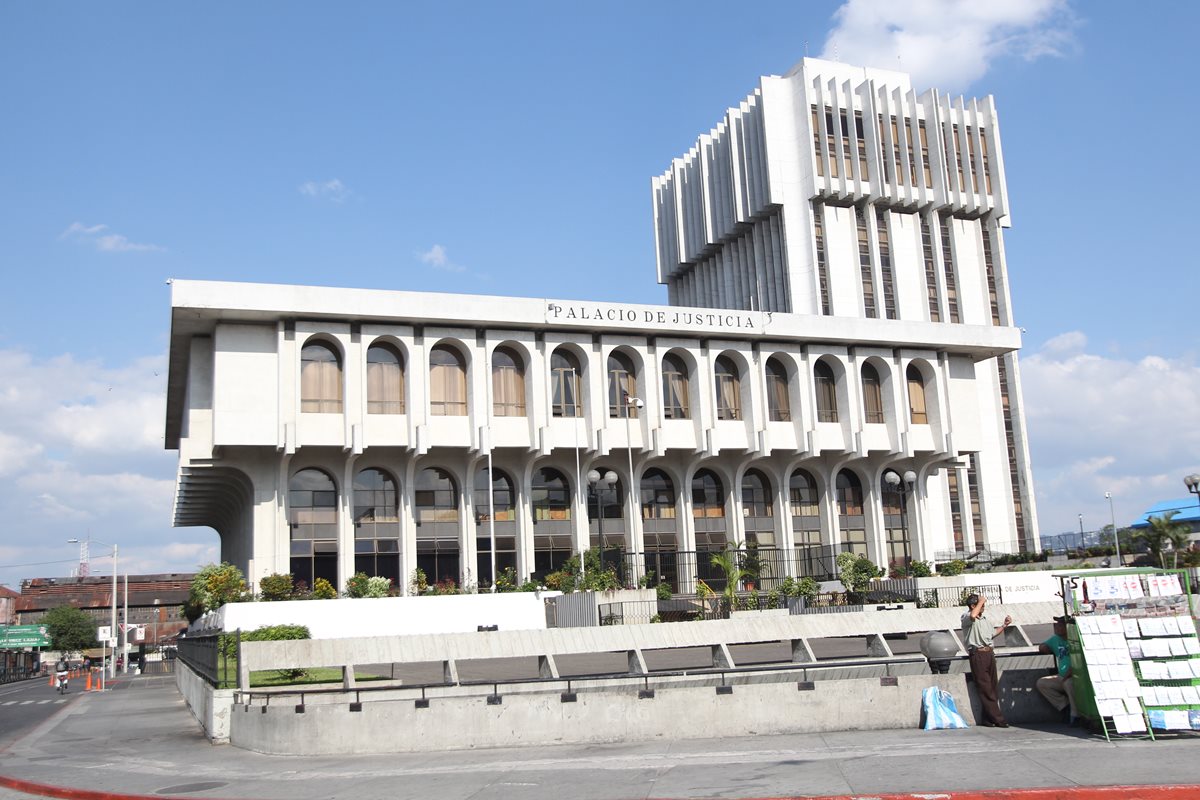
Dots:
{"x": 1188, "y": 508}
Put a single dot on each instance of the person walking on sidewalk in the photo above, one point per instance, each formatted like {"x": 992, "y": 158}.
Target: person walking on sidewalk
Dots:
{"x": 978, "y": 633}
{"x": 1056, "y": 688}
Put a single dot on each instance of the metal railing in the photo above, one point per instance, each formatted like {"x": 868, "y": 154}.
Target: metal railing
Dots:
{"x": 18, "y": 666}
{"x": 422, "y": 693}
{"x": 214, "y": 658}
{"x": 951, "y": 596}
{"x": 766, "y": 567}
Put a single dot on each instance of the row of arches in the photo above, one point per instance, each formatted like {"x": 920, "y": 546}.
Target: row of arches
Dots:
{"x": 496, "y": 508}
{"x": 321, "y": 384}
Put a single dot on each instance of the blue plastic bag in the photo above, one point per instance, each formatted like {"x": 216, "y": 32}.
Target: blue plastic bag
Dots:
{"x": 940, "y": 711}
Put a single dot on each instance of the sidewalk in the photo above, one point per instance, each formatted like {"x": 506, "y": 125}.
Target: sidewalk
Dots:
{"x": 140, "y": 739}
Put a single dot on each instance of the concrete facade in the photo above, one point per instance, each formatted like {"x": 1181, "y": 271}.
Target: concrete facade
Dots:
{"x": 790, "y": 424}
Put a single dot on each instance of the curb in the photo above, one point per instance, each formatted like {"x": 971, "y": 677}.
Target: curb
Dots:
{"x": 1148, "y": 792}
{"x": 69, "y": 793}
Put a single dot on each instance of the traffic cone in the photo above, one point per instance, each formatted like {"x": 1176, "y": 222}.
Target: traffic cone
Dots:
{"x": 88, "y": 686}
{"x": 51, "y": 680}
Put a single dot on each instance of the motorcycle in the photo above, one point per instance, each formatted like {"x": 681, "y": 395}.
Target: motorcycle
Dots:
{"x": 62, "y": 683}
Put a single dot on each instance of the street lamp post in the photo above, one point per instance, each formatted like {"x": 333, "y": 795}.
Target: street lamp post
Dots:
{"x": 893, "y": 479}
{"x": 1116, "y": 537}
{"x": 599, "y": 483}
{"x": 1192, "y": 482}
{"x": 112, "y": 664}
{"x": 1081, "y": 530}
{"x": 633, "y": 403}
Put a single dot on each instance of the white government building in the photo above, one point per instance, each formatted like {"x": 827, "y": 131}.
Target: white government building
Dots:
{"x": 836, "y": 370}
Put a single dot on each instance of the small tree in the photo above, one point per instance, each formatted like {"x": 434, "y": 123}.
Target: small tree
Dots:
{"x": 214, "y": 586}
{"x": 855, "y": 572}
{"x": 70, "y": 629}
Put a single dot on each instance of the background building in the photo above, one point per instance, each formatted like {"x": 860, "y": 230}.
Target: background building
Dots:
{"x": 153, "y": 601}
{"x": 836, "y": 371}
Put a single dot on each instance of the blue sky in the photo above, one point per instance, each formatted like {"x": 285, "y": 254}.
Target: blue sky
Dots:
{"x": 509, "y": 148}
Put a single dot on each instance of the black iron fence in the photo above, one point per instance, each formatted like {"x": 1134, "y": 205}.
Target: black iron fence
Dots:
{"x": 18, "y": 666}
{"x": 214, "y": 658}
{"x": 764, "y": 567}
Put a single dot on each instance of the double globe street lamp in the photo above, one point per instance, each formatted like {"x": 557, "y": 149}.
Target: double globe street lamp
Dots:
{"x": 893, "y": 479}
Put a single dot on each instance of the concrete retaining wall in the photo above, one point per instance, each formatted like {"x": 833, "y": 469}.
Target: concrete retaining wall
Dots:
{"x": 211, "y": 707}
{"x": 687, "y": 709}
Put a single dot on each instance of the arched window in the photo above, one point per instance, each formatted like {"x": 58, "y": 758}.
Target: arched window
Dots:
{"x": 659, "y": 528}
{"x": 805, "y": 500}
{"x": 385, "y": 380}
{"x": 872, "y": 394}
{"x": 675, "y": 388}
{"x": 508, "y": 383}
{"x": 564, "y": 378}
{"x": 622, "y": 384}
{"x": 827, "y": 405}
{"x": 779, "y": 403}
{"x": 312, "y": 518}
{"x": 320, "y": 378}
{"x": 447, "y": 382}
{"x": 436, "y": 495}
{"x": 916, "y": 396}
{"x": 708, "y": 511}
{"x": 376, "y": 525}
{"x": 758, "y": 516}
{"x": 502, "y": 502}
{"x": 729, "y": 389}
{"x": 551, "y": 504}
{"x": 850, "y": 512}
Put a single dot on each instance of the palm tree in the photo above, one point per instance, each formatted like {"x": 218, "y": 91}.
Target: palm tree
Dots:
{"x": 730, "y": 563}
{"x": 1164, "y": 532}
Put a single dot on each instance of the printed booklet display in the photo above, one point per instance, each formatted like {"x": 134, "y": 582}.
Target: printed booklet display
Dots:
{"x": 1135, "y": 657}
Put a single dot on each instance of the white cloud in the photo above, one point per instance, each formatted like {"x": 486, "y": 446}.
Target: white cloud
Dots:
{"x": 81, "y": 451}
{"x": 106, "y": 242}
{"x": 947, "y": 44}
{"x": 436, "y": 257}
{"x": 333, "y": 190}
{"x": 1100, "y": 424}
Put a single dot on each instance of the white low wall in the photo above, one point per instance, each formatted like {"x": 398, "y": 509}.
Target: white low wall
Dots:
{"x": 209, "y": 706}
{"x": 386, "y": 616}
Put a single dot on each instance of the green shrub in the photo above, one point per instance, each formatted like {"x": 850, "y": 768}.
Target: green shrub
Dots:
{"x": 507, "y": 580}
{"x": 212, "y": 587}
{"x": 529, "y": 585}
{"x": 920, "y": 569}
{"x": 444, "y": 586}
{"x": 278, "y": 586}
{"x": 378, "y": 586}
{"x": 323, "y": 590}
{"x": 955, "y": 567}
{"x": 267, "y": 633}
{"x": 663, "y": 591}
{"x": 357, "y": 585}
{"x": 419, "y": 583}
{"x": 855, "y": 572}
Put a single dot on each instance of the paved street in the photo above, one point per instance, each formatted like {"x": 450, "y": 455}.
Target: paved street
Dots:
{"x": 140, "y": 739}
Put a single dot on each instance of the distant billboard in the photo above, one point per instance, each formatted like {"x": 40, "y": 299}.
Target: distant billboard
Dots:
{"x": 17, "y": 636}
